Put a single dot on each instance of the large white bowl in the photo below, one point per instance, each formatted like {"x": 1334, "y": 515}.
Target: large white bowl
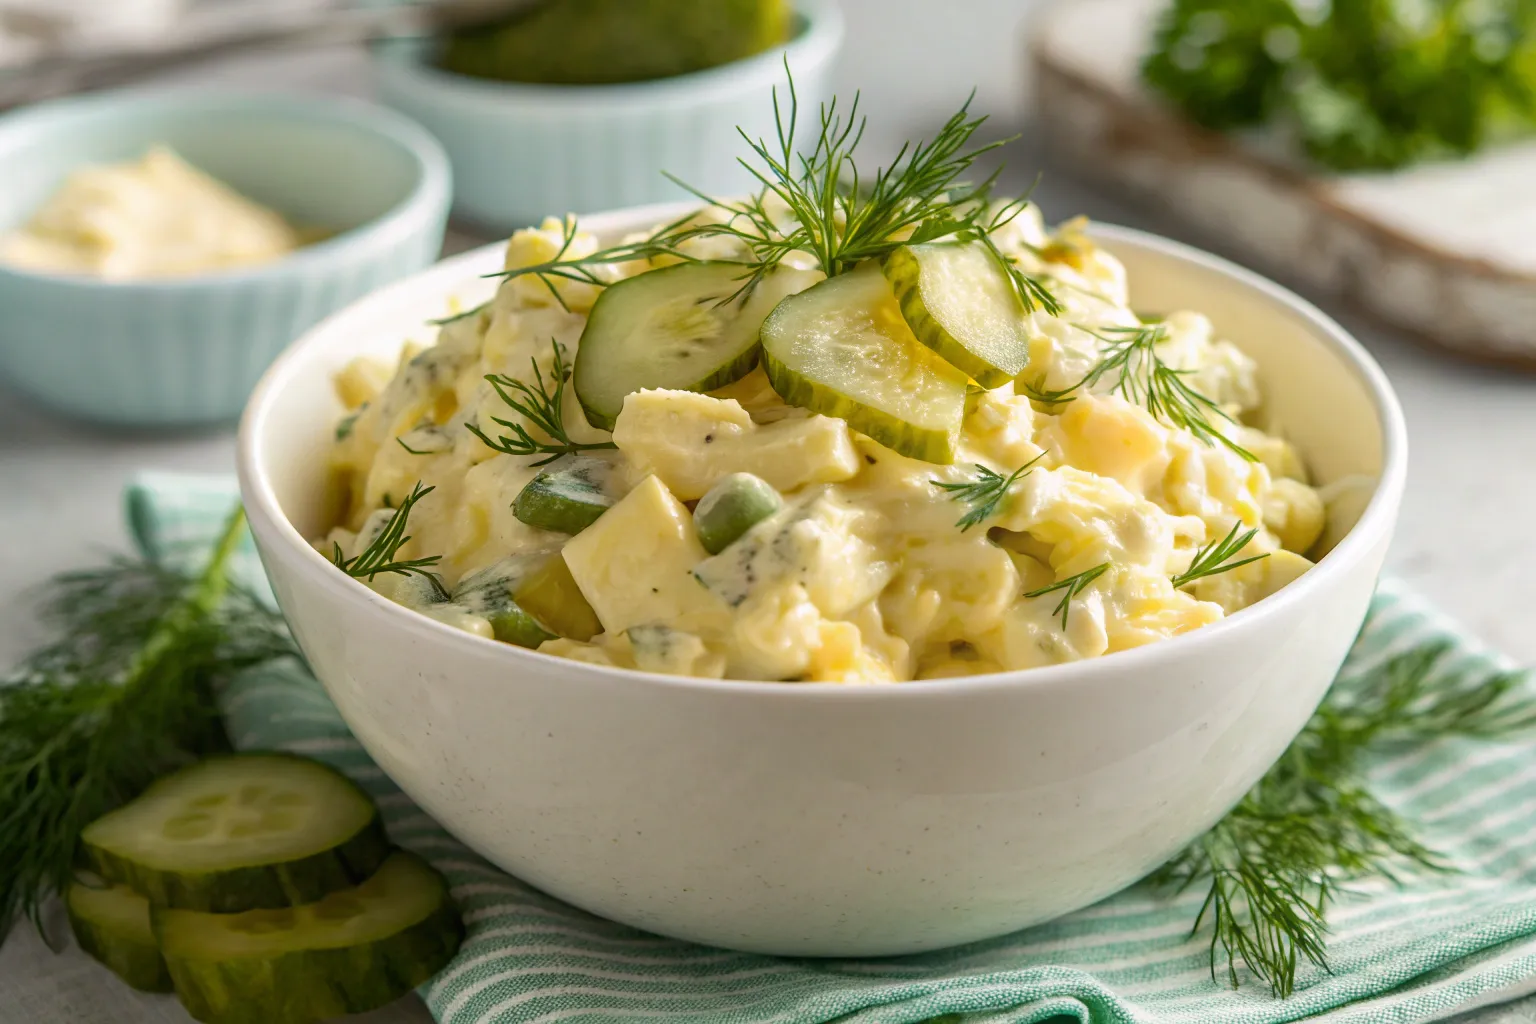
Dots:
{"x": 820, "y": 819}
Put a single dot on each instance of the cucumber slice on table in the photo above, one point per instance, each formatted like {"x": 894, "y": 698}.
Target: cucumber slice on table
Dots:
{"x": 239, "y": 832}
{"x": 731, "y": 508}
{"x": 111, "y": 924}
{"x": 843, "y": 349}
{"x": 568, "y": 496}
{"x": 668, "y": 328}
{"x": 961, "y": 304}
{"x": 353, "y": 950}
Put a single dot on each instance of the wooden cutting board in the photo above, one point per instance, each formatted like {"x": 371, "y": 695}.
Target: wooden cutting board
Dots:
{"x": 1446, "y": 251}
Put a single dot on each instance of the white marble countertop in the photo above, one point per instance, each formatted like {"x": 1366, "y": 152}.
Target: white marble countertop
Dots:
{"x": 1463, "y": 536}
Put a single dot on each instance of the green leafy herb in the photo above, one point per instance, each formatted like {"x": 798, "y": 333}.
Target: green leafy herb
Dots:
{"x": 463, "y": 314}
{"x": 1141, "y": 376}
{"x": 401, "y": 442}
{"x": 984, "y": 493}
{"x": 1278, "y": 859}
{"x": 345, "y": 426}
{"x": 379, "y": 556}
{"x": 1070, "y": 588}
{"x": 542, "y": 404}
{"x": 1362, "y": 84}
{"x": 837, "y": 214}
{"x": 125, "y": 695}
{"x": 1213, "y": 557}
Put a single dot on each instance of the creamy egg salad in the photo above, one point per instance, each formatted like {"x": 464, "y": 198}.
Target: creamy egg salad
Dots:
{"x": 969, "y": 455}
{"x": 154, "y": 217}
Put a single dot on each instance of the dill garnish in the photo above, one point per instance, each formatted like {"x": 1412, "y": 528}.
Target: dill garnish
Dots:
{"x": 456, "y": 317}
{"x": 124, "y": 695}
{"x": 379, "y": 556}
{"x": 1212, "y": 558}
{"x": 1279, "y": 858}
{"x": 985, "y": 493}
{"x": 1141, "y": 376}
{"x": 542, "y": 404}
{"x": 833, "y": 212}
{"x": 1070, "y": 587}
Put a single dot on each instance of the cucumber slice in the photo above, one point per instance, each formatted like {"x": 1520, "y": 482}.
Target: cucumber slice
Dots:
{"x": 568, "y": 496}
{"x": 843, "y": 349}
{"x": 354, "y": 950}
{"x": 731, "y": 508}
{"x": 240, "y": 832}
{"x": 667, "y": 329}
{"x": 111, "y": 924}
{"x": 960, "y": 303}
{"x": 488, "y": 593}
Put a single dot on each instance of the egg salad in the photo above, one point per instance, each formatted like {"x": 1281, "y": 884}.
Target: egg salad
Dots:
{"x": 149, "y": 218}
{"x": 964, "y": 454}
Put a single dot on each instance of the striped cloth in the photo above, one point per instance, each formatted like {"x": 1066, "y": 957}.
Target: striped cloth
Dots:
{"x": 1438, "y": 946}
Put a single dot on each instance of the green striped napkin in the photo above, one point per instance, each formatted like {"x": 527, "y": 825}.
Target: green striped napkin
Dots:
{"x": 1438, "y": 946}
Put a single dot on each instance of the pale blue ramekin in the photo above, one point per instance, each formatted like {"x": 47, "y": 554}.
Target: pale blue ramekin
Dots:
{"x": 184, "y": 351}
{"x": 523, "y": 152}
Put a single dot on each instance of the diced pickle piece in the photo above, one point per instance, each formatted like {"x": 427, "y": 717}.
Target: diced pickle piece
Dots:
{"x": 566, "y": 497}
{"x": 731, "y": 508}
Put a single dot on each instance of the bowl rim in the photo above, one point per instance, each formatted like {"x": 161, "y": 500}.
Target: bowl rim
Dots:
{"x": 822, "y": 36}
{"x": 1375, "y": 524}
{"x": 429, "y": 195}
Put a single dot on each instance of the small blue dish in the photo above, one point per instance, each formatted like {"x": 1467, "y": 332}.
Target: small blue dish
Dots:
{"x": 522, "y": 152}
{"x": 183, "y": 351}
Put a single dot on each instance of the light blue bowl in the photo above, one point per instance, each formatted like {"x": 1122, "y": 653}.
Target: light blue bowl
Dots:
{"x": 182, "y": 351}
{"x": 523, "y": 152}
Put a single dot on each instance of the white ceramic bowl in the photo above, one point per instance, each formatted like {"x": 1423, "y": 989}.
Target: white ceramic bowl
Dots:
{"x": 522, "y": 151}
{"x": 820, "y": 819}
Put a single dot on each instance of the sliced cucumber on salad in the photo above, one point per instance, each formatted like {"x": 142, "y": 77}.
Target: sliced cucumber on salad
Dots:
{"x": 683, "y": 328}
{"x": 240, "y": 832}
{"x": 111, "y": 924}
{"x": 352, "y": 950}
{"x": 842, "y": 348}
{"x": 960, "y": 303}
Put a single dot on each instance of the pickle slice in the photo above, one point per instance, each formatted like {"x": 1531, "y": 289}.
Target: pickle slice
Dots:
{"x": 677, "y": 328}
{"x": 960, "y": 303}
{"x": 111, "y": 924}
{"x": 843, "y": 349}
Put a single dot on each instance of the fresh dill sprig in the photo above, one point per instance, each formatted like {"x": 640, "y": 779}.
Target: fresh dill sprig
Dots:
{"x": 1213, "y": 557}
{"x": 665, "y": 241}
{"x": 1030, "y": 290}
{"x": 1141, "y": 376}
{"x": 462, "y": 315}
{"x": 1070, "y": 587}
{"x": 541, "y": 403}
{"x": 379, "y": 556}
{"x": 124, "y": 695}
{"x": 1278, "y": 860}
{"x": 835, "y": 213}
{"x": 984, "y": 493}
